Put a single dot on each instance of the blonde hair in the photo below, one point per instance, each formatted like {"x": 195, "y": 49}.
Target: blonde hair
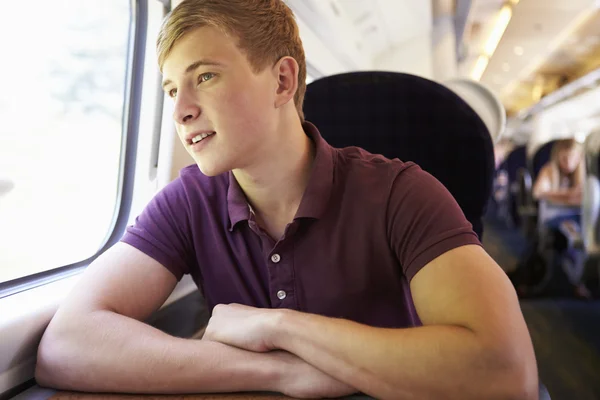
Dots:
{"x": 576, "y": 177}
{"x": 265, "y": 29}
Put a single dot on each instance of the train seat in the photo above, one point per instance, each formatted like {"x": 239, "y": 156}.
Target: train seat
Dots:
{"x": 414, "y": 119}
{"x": 507, "y": 207}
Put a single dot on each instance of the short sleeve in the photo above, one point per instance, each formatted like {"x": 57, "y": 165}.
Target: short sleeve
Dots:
{"x": 424, "y": 220}
{"x": 162, "y": 230}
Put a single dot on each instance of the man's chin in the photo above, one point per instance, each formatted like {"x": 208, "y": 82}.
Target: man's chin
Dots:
{"x": 210, "y": 170}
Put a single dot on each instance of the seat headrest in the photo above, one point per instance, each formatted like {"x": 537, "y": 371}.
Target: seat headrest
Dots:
{"x": 413, "y": 119}
{"x": 485, "y": 103}
{"x": 515, "y": 160}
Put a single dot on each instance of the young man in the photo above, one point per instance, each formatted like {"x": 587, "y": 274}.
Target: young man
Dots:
{"x": 328, "y": 272}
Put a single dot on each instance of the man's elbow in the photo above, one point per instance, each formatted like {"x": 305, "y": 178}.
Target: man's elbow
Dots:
{"x": 48, "y": 362}
{"x": 523, "y": 386}
{"x": 43, "y": 372}
{"x": 519, "y": 378}
{"x": 53, "y": 367}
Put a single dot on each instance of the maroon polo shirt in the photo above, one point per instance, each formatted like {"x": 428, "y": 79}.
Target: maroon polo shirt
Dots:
{"x": 365, "y": 226}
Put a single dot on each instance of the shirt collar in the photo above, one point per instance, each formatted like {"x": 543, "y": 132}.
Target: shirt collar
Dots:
{"x": 239, "y": 209}
{"x": 317, "y": 192}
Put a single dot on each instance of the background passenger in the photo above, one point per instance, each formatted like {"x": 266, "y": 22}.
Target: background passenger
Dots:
{"x": 560, "y": 182}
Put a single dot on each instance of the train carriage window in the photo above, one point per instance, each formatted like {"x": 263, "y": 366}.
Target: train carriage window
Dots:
{"x": 63, "y": 68}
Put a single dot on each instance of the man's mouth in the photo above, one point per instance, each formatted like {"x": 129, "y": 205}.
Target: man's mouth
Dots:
{"x": 201, "y": 137}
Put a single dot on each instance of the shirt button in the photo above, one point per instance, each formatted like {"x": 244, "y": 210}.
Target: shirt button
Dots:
{"x": 276, "y": 258}
{"x": 281, "y": 295}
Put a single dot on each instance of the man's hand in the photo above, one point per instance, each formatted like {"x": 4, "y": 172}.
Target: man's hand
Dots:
{"x": 302, "y": 381}
{"x": 244, "y": 327}
{"x": 252, "y": 329}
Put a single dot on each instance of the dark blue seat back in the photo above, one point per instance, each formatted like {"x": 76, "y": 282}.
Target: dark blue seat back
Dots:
{"x": 413, "y": 119}
{"x": 541, "y": 157}
{"x": 516, "y": 159}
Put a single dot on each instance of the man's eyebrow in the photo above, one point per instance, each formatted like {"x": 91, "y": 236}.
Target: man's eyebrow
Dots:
{"x": 195, "y": 65}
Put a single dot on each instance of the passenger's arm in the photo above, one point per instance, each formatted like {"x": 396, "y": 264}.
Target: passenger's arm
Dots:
{"x": 566, "y": 197}
{"x": 543, "y": 183}
{"x": 474, "y": 343}
{"x": 542, "y": 190}
{"x": 96, "y": 342}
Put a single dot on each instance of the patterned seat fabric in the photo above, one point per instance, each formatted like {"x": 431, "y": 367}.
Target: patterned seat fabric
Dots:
{"x": 413, "y": 119}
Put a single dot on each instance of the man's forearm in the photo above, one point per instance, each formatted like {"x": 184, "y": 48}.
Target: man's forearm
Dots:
{"x": 106, "y": 352}
{"x": 426, "y": 362}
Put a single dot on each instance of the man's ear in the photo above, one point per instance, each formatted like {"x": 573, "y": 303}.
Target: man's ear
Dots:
{"x": 286, "y": 71}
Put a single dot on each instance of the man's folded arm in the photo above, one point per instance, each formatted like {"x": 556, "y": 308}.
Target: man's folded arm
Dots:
{"x": 97, "y": 343}
{"x": 474, "y": 342}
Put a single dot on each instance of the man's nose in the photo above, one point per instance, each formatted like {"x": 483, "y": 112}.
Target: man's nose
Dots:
{"x": 186, "y": 108}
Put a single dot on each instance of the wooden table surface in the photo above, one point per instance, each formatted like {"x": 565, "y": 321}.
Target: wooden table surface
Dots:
{"x": 224, "y": 396}
{"x": 228, "y": 396}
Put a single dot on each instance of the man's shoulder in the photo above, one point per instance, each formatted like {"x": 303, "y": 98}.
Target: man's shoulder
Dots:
{"x": 356, "y": 163}
{"x": 192, "y": 187}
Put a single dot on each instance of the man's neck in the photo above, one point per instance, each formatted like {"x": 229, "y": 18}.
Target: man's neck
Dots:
{"x": 275, "y": 186}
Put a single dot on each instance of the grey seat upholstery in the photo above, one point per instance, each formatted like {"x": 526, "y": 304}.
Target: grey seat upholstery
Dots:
{"x": 590, "y": 220}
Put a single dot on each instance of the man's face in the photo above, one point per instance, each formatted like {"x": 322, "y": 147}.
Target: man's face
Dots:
{"x": 216, "y": 93}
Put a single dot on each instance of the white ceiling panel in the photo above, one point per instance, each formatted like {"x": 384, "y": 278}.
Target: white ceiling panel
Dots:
{"x": 383, "y": 24}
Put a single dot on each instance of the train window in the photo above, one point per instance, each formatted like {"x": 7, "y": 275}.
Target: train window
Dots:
{"x": 61, "y": 115}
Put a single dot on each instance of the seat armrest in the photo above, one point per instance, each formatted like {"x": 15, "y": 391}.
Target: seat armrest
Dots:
{"x": 591, "y": 269}
{"x": 528, "y": 211}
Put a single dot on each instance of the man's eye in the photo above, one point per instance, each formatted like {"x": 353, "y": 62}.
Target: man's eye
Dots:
{"x": 206, "y": 77}
{"x": 172, "y": 93}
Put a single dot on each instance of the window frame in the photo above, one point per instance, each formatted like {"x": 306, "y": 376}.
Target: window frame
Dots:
{"x": 134, "y": 77}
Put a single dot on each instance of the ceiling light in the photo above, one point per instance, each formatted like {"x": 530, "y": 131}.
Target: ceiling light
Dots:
{"x": 506, "y": 67}
{"x": 561, "y": 39}
{"x": 537, "y": 92}
{"x": 501, "y": 23}
{"x": 480, "y": 66}
{"x": 519, "y": 50}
